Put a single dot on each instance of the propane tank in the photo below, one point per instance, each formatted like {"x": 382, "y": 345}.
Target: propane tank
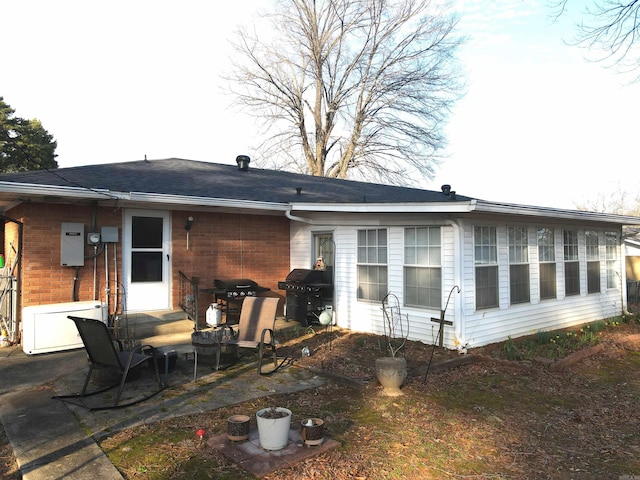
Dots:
{"x": 214, "y": 315}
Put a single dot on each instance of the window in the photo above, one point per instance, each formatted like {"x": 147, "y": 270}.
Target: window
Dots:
{"x": 486, "y": 266}
{"x": 324, "y": 246}
{"x": 611, "y": 249}
{"x": 422, "y": 267}
{"x": 519, "y": 265}
{"x": 372, "y": 264}
{"x": 146, "y": 249}
{"x": 593, "y": 262}
{"x": 547, "y": 263}
{"x": 571, "y": 263}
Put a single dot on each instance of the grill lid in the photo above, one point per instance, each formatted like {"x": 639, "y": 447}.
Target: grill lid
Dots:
{"x": 235, "y": 284}
{"x": 305, "y": 276}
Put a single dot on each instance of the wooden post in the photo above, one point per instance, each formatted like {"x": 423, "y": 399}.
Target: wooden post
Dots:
{"x": 442, "y": 322}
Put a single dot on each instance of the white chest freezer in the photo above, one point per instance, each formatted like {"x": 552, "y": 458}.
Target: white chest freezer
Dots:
{"x": 46, "y": 328}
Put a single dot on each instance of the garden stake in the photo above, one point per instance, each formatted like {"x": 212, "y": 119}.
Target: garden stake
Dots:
{"x": 442, "y": 322}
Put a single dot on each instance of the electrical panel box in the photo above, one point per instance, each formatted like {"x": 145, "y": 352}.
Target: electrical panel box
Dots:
{"x": 109, "y": 234}
{"x": 72, "y": 245}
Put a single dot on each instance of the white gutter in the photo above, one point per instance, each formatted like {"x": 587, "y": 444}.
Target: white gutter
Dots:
{"x": 59, "y": 191}
{"x": 409, "y": 207}
{"x": 160, "y": 198}
{"x": 295, "y": 218}
{"x": 527, "y": 210}
{"x": 25, "y": 189}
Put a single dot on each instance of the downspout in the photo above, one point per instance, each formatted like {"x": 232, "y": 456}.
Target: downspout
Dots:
{"x": 458, "y": 279}
{"x": 295, "y": 218}
{"x": 622, "y": 261}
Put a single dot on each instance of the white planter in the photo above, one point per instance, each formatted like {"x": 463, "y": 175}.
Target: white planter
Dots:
{"x": 273, "y": 432}
{"x": 391, "y": 373}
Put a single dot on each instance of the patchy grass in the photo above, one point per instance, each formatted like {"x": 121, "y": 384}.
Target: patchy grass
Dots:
{"x": 488, "y": 419}
{"x": 493, "y": 418}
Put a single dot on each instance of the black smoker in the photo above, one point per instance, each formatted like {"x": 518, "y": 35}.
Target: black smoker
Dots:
{"x": 308, "y": 292}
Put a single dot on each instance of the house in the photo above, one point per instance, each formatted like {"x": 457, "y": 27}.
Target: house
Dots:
{"x": 124, "y": 233}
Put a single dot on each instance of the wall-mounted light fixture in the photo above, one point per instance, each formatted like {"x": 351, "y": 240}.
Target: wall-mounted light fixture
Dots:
{"x": 187, "y": 227}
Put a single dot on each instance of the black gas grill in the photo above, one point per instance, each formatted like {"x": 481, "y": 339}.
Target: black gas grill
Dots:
{"x": 229, "y": 294}
{"x": 308, "y": 293}
{"x": 237, "y": 287}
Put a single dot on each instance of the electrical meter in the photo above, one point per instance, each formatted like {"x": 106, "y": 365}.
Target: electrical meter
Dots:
{"x": 93, "y": 238}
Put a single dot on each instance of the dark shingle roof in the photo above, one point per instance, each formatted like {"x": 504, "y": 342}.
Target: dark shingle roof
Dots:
{"x": 202, "y": 179}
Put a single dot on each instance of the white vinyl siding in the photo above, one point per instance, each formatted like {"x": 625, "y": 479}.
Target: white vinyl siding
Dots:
{"x": 477, "y": 327}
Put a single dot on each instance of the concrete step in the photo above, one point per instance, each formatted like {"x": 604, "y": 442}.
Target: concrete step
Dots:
{"x": 154, "y": 323}
{"x": 173, "y": 327}
{"x": 156, "y": 330}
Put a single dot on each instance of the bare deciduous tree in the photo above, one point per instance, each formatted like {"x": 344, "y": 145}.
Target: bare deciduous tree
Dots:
{"x": 358, "y": 87}
{"x": 611, "y": 31}
{"x": 618, "y": 202}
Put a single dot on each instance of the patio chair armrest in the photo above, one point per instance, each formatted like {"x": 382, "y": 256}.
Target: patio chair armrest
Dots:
{"x": 263, "y": 334}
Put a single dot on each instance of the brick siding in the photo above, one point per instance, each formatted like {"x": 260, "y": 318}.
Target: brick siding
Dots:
{"x": 221, "y": 245}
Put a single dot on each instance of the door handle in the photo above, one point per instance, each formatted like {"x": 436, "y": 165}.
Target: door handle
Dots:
{"x": 167, "y": 257}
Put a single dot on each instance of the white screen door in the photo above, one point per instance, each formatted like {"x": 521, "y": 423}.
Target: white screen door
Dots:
{"x": 147, "y": 260}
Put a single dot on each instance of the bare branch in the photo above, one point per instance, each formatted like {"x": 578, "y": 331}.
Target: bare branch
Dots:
{"x": 610, "y": 33}
{"x": 352, "y": 87}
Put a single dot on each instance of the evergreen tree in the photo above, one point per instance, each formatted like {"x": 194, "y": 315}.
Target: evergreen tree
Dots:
{"x": 24, "y": 144}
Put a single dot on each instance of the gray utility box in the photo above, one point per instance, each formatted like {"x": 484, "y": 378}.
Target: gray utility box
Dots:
{"x": 72, "y": 245}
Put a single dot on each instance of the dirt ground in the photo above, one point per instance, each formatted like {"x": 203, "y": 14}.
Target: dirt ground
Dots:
{"x": 483, "y": 418}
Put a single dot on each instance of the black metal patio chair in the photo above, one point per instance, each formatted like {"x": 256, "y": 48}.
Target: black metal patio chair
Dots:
{"x": 103, "y": 354}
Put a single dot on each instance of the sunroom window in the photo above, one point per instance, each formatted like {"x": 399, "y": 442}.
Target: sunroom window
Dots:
{"x": 611, "y": 243}
{"x": 422, "y": 267}
{"x": 485, "y": 242}
{"x": 593, "y": 261}
{"x": 547, "y": 263}
{"x": 571, "y": 263}
{"x": 519, "y": 265}
{"x": 372, "y": 264}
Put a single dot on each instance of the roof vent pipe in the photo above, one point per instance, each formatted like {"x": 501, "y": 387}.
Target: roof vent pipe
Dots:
{"x": 243, "y": 162}
{"x": 446, "y": 189}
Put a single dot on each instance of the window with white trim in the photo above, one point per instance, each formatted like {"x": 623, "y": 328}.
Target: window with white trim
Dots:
{"x": 519, "y": 265}
{"x": 611, "y": 256}
{"x": 547, "y": 263}
{"x": 372, "y": 264}
{"x": 593, "y": 261}
{"x": 422, "y": 267}
{"x": 485, "y": 243}
{"x": 571, "y": 263}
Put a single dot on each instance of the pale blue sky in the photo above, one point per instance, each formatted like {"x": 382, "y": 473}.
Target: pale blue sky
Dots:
{"x": 115, "y": 81}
